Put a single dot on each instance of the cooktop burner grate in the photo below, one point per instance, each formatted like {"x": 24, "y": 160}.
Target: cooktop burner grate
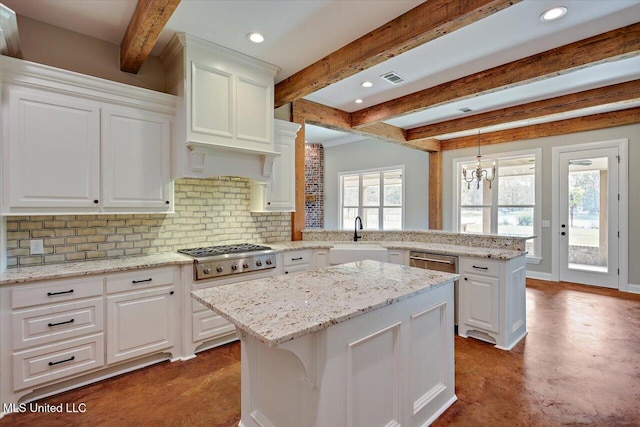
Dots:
{"x": 223, "y": 250}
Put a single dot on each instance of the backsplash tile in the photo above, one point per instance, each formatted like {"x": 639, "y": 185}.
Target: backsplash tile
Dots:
{"x": 211, "y": 211}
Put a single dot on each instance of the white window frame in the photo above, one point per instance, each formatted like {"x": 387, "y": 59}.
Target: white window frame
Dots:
{"x": 381, "y": 171}
{"x": 456, "y": 168}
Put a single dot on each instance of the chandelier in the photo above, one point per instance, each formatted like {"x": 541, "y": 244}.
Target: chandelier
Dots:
{"x": 479, "y": 173}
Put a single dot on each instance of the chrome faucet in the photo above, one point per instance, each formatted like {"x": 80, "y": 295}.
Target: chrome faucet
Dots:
{"x": 355, "y": 232}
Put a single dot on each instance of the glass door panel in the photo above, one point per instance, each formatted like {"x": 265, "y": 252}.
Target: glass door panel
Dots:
{"x": 589, "y": 217}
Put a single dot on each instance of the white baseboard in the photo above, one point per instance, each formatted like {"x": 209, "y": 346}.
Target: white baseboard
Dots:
{"x": 539, "y": 275}
{"x": 634, "y": 289}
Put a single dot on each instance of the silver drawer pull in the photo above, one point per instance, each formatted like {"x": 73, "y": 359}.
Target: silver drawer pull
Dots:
{"x": 51, "y": 294}
{"x": 441, "y": 261}
{"x": 62, "y": 361}
{"x": 480, "y": 268}
{"x": 142, "y": 281}
{"x": 51, "y": 325}
{"x": 296, "y": 259}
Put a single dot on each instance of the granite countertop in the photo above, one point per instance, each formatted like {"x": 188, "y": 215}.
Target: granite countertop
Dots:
{"x": 438, "y": 248}
{"x": 85, "y": 268}
{"x": 281, "y": 308}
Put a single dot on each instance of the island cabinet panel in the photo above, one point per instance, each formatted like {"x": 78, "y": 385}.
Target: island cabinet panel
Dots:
{"x": 492, "y": 303}
{"x": 393, "y": 366}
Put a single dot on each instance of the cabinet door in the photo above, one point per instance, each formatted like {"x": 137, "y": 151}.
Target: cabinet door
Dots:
{"x": 140, "y": 323}
{"x": 281, "y": 192}
{"x": 397, "y": 256}
{"x": 135, "y": 161}
{"x": 51, "y": 152}
{"x": 479, "y": 301}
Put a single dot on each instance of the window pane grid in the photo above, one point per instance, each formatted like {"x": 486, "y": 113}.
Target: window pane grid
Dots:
{"x": 375, "y": 196}
{"x": 509, "y": 206}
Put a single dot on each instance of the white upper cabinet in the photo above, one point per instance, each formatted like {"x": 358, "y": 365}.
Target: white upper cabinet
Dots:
{"x": 79, "y": 144}
{"x": 280, "y": 194}
{"x": 51, "y": 151}
{"x": 135, "y": 160}
{"x": 224, "y": 120}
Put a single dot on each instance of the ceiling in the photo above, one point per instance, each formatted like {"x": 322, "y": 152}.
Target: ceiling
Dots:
{"x": 301, "y": 32}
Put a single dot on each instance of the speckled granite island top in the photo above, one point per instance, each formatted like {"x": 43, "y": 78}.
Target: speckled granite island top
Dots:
{"x": 280, "y": 308}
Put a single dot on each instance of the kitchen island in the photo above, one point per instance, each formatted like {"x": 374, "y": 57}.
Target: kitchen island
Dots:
{"x": 359, "y": 344}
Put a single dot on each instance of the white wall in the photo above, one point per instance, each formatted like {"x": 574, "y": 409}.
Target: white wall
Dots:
{"x": 630, "y": 132}
{"x": 371, "y": 154}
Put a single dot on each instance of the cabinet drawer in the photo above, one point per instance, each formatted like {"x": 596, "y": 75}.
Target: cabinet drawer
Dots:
{"x": 140, "y": 279}
{"x": 479, "y": 266}
{"x": 57, "y": 361}
{"x": 207, "y": 325}
{"x": 46, "y": 324}
{"x": 299, "y": 267}
{"x": 296, "y": 257}
{"x": 55, "y": 292}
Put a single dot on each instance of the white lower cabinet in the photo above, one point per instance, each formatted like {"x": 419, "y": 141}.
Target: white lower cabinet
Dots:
{"x": 296, "y": 261}
{"x": 142, "y": 312}
{"x": 399, "y": 256}
{"x": 492, "y": 304}
{"x": 58, "y": 334}
{"x": 481, "y": 302}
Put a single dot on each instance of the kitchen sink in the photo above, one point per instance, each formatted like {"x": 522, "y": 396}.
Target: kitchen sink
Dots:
{"x": 341, "y": 253}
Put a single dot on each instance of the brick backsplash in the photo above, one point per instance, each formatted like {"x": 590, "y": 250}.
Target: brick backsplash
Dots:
{"x": 208, "y": 212}
{"x": 314, "y": 176}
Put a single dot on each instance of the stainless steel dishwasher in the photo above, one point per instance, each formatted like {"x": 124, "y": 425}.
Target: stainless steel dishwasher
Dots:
{"x": 446, "y": 263}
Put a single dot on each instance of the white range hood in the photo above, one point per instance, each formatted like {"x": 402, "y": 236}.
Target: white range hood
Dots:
{"x": 207, "y": 160}
{"x": 224, "y": 124}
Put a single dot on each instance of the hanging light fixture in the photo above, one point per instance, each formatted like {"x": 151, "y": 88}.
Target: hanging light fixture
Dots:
{"x": 479, "y": 173}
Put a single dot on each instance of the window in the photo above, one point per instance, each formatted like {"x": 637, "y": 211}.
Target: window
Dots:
{"x": 510, "y": 206}
{"x": 376, "y": 196}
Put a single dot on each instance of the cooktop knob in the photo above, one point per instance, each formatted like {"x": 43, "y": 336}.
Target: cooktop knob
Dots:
{"x": 245, "y": 265}
{"x": 234, "y": 267}
{"x": 206, "y": 270}
{"x": 269, "y": 262}
{"x": 219, "y": 269}
{"x": 258, "y": 263}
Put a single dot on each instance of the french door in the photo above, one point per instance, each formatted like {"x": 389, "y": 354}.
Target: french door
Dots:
{"x": 588, "y": 232}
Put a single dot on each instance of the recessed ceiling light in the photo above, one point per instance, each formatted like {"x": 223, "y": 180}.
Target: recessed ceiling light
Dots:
{"x": 358, "y": 101}
{"x": 367, "y": 84}
{"x": 553, "y": 13}
{"x": 256, "y": 37}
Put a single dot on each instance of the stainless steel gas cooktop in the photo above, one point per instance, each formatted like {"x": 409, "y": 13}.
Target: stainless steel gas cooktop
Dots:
{"x": 216, "y": 261}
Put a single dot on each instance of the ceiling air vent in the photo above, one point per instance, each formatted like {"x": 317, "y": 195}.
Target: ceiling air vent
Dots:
{"x": 392, "y": 78}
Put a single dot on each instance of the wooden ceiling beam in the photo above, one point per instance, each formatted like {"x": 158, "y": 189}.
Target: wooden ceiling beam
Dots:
{"x": 332, "y": 118}
{"x": 561, "y": 127}
{"x": 608, "y": 95}
{"x": 143, "y": 31}
{"x": 424, "y": 23}
{"x": 607, "y": 47}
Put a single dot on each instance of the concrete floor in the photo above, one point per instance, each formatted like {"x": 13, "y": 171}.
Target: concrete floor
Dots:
{"x": 579, "y": 365}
